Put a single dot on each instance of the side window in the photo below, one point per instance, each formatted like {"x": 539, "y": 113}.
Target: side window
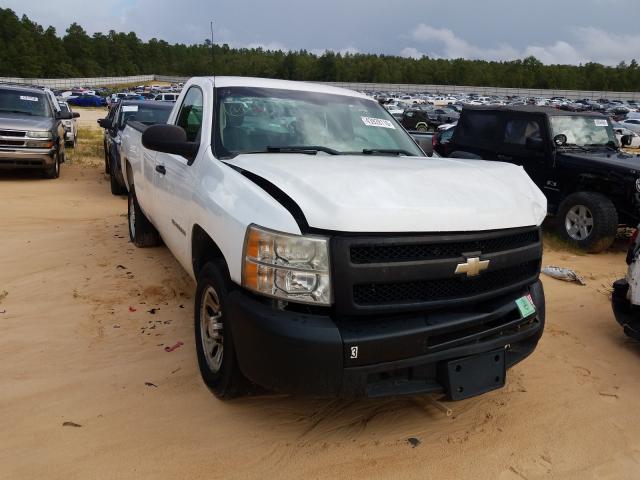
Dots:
{"x": 190, "y": 114}
{"x": 518, "y": 130}
{"x": 481, "y": 125}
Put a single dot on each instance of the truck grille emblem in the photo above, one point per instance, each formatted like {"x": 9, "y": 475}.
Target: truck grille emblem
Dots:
{"x": 472, "y": 267}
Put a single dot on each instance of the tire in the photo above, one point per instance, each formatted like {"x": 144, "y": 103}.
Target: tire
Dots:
{"x": 422, "y": 129}
{"x": 141, "y": 232}
{"x": 116, "y": 187}
{"x": 106, "y": 158}
{"x": 54, "y": 170}
{"x": 588, "y": 220}
{"x": 216, "y": 353}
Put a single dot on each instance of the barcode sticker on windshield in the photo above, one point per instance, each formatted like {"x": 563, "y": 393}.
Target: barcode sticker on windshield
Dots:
{"x": 130, "y": 108}
{"x": 600, "y": 122}
{"x": 29, "y": 99}
{"x": 377, "y": 122}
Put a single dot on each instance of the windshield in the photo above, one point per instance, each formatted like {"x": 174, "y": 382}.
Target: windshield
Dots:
{"x": 142, "y": 113}
{"x": 252, "y": 119}
{"x": 64, "y": 107}
{"x": 28, "y": 103}
{"x": 583, "y": 131}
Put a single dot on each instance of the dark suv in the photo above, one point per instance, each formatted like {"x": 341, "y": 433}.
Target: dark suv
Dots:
{"x": 574, "y": 158}
{"x": 144, "y": 111}
{"x": 426, "y": 118}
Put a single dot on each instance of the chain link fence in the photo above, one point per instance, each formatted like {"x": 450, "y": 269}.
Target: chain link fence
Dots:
{"x": 61, "y": 83}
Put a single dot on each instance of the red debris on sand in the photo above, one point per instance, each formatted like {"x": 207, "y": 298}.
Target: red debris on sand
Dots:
{"x": 172, "y": 348}
{"x": 132, "y": 309}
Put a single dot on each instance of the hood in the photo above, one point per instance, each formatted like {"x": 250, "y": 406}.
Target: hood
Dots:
{"x": 16, "y": 121}
{"x": 620, "y": 162}
{"x": 357, "y": 193}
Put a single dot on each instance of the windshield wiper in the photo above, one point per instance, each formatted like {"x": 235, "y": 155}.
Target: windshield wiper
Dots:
{"x": 308, "y": 149}
{"x": 396, "y": 151}
{"x": 575, "y": 145}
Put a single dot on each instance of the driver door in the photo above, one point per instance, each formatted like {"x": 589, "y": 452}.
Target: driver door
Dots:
{"x": 174, "y": 178}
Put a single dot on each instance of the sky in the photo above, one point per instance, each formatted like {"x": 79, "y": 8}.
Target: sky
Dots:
{"x": 554, "y": 31}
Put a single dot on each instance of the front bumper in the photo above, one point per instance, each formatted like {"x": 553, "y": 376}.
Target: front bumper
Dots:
{"x": 26, "y": 158}
{"x": 626, "y": 314}
{"x": 396, "y": 354}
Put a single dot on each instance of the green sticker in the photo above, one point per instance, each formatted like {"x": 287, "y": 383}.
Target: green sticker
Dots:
{"x": 526, "y": 306}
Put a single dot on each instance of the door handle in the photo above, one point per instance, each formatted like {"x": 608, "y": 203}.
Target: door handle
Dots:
{"x": 161, "y": 169}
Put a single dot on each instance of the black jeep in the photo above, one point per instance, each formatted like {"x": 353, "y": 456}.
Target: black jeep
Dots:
{"x": 426, "y": 118}
{"x": 574, "y": 158}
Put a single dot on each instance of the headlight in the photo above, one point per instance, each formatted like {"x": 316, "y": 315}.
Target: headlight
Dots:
{"x": 39, "y": 134}
{"x": 290, "y": 267}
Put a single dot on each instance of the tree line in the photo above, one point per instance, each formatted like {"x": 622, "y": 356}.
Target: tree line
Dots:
{"x": 27, "y": 49}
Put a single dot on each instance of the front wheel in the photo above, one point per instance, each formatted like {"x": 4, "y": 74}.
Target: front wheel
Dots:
{"x": 214, "y": 341}
{"x": 141, "y": 231}
{"x": 589, "y": 220}
{"x": 53, "y": 171}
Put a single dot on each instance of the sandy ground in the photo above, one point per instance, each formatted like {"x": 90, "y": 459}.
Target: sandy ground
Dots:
{"x": 72, "y": 350}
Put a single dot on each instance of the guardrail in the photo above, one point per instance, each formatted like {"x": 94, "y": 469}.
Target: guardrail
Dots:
{"x": 60, "y": 83}
{"x": 386, "y": 87}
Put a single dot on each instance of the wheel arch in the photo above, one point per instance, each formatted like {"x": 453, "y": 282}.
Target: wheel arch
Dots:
{"x": 203, "y": 250}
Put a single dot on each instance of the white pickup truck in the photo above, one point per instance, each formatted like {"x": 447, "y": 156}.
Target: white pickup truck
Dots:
{"x": 331, "y": 255}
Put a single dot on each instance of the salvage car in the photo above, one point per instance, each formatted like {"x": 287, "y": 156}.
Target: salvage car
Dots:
{"x": 625, "y": 298}
{"x": 330, "y": 255}
{"x": 420, "y": 119}
{"x": 87, "y": 100}
{"x": 573, "y": 157}
{"x": 70, "y": 125}
{"x": 144, "y": 111}
{"x": 32, "y": 135}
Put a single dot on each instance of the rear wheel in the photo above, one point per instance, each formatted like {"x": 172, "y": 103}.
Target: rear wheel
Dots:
{"x": 116, "y": 187}
{"x": 589, "y": 220}
{"x": 422, "y": 128}
{"x": 214, "y": 341}
{"x": 141, "y": 232}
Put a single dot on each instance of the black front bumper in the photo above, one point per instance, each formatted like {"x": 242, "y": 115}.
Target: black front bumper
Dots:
{"x": 626, "y": 314}
{"x": 394, "y": 354}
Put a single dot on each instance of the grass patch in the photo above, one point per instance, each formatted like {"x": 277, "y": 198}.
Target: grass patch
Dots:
{"x": 89, "y": 150}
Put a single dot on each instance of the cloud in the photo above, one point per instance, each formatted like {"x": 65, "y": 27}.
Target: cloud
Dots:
{"x": 456, "y": 47}
{"x": 411, "y": 52}
{"x": 587, "y": 44}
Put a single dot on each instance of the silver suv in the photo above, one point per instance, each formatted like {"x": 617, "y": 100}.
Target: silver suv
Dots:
{"x": 32, "y": 134}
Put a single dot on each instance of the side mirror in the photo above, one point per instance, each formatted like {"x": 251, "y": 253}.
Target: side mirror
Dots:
{"x": 64, "y": 115}
{"x": 75, "y": 114}
{"x": 534, "y": 144}
{"x": 625, "y": 140}
{"x": 169, "y": 139}
{"x": 560, "y": 139}
{"x": 104, "y": 123}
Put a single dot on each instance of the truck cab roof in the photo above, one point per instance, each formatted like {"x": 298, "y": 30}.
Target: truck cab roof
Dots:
{"x": 228, "y": 81}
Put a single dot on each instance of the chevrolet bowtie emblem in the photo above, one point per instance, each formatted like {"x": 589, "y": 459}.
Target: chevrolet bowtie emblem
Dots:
{"x": 473, "y": 266}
